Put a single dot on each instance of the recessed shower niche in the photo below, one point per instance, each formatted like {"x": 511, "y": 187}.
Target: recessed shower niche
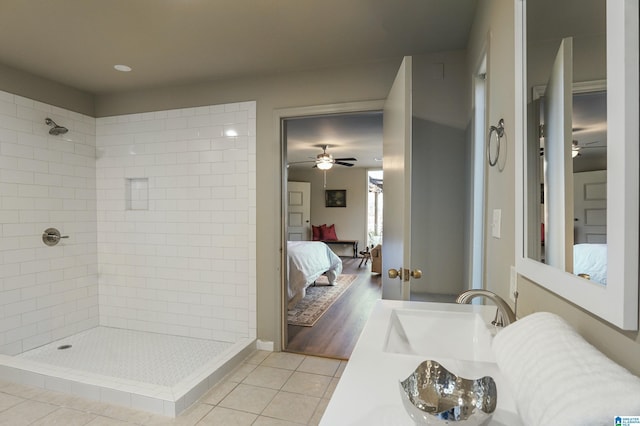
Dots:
{"x": 137, "y": 194}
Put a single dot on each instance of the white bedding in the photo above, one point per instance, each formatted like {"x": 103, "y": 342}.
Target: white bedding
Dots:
{"x": 591, "y": 259}
{"x": 308, "y": 260}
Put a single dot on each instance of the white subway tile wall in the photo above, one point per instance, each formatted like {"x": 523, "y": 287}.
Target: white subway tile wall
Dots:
{"x": 186, "y": 264}
{"x": 46, "y": 293}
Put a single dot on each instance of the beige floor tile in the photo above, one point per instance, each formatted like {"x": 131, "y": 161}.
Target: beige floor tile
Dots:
{"x": 315, "y": 365}
{"x": 292, "y": 407}
{"x": 332, "y": 387}
{"x": 268, "y": 421}
{"x": 26, "y": 413}
{"x": 220, "y": 416}
{"x": 268, "y": 377}
{"x": 284, "y": 360}
{"x": 125, "y": 414}
{"x": 240, "y": 372}
{"x": 219, "y": 391}
{"x": 65, "y": 417}
{"x": 108, "y": 421}
{"x": 257, "y": 357}
{"x": 189, "y": 417}
{"x": 343, "y": 365}
{"x": 23, "y": 391}
{"x": 307, "y": 384}
{"x": 317, "y": 415}
{"x": 7, "y": 401}
{"x": 253, "y": 399}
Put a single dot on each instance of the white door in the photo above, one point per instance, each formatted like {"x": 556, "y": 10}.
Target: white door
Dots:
{"x": 590, "y": 207}
{"x": 558, "y": 185}
{"x": 396, "y": 244}
{"x": 298, "y": 211}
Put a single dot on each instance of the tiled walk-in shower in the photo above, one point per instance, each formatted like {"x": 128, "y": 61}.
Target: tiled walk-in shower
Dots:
{"x": 157, "y": 211}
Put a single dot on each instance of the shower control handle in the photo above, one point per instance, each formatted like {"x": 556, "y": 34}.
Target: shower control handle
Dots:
{"x": 51, "y": 236}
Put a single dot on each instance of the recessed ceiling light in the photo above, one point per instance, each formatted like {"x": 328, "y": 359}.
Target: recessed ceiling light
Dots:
{"x": 123, "y": 68}
{"x": 231, "y": 133}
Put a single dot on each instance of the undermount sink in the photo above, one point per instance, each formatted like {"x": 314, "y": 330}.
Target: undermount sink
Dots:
{"x": 442, "y": 334}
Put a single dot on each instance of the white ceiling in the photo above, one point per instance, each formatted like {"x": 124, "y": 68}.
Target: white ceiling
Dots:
{"x": 350, "y": 135}
{"x": 173, "y": 42}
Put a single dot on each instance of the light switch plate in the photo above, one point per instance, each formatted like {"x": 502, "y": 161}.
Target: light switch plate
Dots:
{"x": 495, "y": 225}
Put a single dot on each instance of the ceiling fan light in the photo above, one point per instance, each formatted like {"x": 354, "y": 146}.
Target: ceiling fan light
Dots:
{"x": 324, "y": 165}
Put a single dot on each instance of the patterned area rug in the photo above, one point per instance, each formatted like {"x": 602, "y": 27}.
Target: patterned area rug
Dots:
{"x": 318, "y": 299}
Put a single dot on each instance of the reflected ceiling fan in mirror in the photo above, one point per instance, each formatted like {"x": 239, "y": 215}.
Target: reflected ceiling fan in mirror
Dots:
{"x": 325, "y": 161}
{"x": 577, "y": 147}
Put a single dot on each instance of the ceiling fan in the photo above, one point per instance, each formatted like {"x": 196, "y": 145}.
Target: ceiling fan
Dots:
{"x": 576, "y": 147}
{"x": 325, "y": 161}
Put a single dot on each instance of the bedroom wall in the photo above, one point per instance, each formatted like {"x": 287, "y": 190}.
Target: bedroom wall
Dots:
{"x": 350, "y": 221}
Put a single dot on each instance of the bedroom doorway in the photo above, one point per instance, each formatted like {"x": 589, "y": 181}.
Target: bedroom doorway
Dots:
{"x": 334, "y": 334}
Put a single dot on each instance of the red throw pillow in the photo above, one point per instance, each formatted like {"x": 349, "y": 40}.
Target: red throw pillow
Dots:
{"x": 317, "y": 232}
{"x": 329, "y": 233}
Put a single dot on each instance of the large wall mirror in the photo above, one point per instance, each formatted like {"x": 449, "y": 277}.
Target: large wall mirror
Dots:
{"x": 578, "y": 164}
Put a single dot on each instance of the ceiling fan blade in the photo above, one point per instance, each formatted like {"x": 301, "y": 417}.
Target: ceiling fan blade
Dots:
{"x": 301, "y": 162}
{"x": 344, "y": 164}
{"x": 346, "y": 159}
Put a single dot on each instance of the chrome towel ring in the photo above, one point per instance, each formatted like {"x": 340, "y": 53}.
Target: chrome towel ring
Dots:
{"x": 499, "y": 133}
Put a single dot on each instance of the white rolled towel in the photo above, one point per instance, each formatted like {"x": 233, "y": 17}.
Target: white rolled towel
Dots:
{"x": 558, "y": 378}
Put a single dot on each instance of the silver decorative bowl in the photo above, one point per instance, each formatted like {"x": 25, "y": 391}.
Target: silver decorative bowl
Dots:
{"x": 433, "y": 395}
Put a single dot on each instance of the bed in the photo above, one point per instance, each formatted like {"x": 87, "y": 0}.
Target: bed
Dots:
{"x": 591, "y": 259}
{"x": 307, "y": 261}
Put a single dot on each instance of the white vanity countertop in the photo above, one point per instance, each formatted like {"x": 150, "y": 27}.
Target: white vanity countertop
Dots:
{"x": 368, "y": 392}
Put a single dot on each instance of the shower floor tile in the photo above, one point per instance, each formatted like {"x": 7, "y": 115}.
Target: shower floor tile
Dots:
{"x": 151, "y": 358}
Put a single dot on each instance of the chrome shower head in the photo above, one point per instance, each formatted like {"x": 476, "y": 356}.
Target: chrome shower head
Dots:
{"x": 55, "y": 129}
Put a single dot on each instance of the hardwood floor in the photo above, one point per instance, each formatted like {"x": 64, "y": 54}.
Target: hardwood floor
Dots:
{"x": 336, "y": 332}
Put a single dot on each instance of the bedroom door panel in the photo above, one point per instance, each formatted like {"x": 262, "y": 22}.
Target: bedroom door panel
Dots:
{"x": 590, "y": 207}
{"x": 298, "y": 211}
{"x": 396, "y": 246}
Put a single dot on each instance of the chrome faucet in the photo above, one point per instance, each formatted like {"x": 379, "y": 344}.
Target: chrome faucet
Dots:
{"x": 504, "y": 314}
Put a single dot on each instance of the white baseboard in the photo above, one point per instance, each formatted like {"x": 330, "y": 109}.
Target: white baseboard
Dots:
{"x": 262, "y": 345}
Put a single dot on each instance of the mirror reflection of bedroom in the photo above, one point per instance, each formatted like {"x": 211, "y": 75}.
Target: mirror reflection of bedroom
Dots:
{"x": 334, "y": 229}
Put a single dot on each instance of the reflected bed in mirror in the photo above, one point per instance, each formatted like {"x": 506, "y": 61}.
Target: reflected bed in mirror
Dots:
{"x": 577, "y": 229}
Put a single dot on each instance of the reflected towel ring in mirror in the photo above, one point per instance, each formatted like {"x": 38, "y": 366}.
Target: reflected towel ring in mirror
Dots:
{"x": 499, "y": 133}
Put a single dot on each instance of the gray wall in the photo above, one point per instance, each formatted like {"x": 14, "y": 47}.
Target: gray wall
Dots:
{"x": 40, "y": 89}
